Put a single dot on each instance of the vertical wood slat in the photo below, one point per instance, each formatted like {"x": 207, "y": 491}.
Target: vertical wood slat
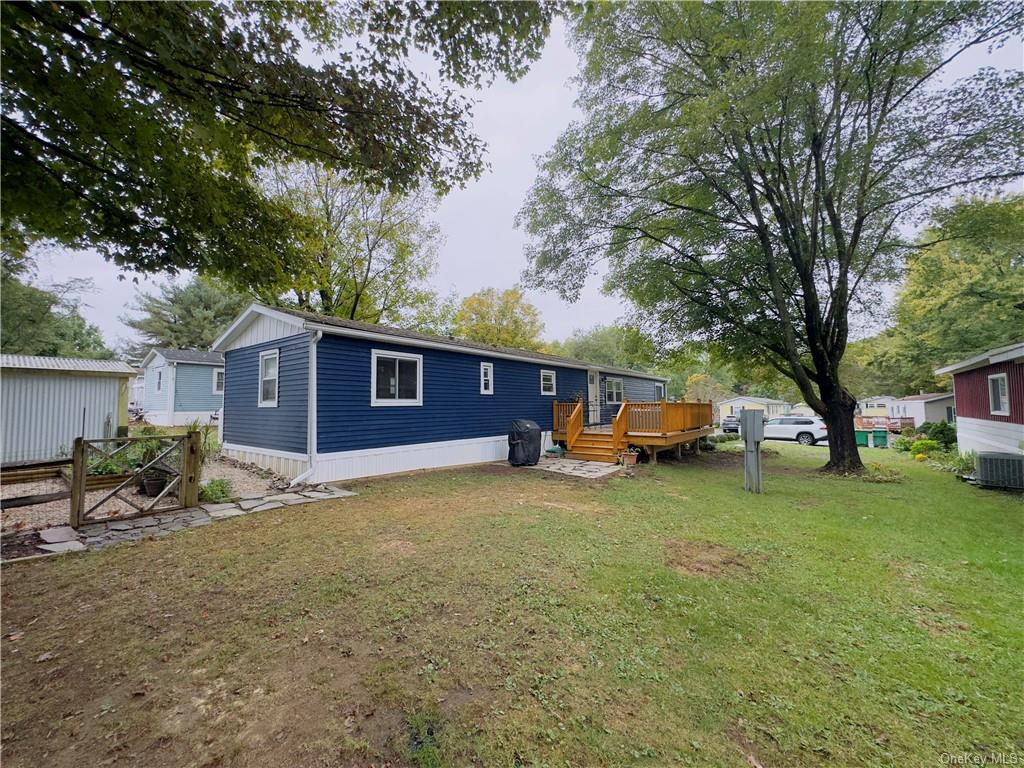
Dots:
{"x": 78, "y": 477}
{"x": 190, "y": 469}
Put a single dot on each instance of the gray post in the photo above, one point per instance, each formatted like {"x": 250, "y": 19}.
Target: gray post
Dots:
{"x": 752, "y": 429}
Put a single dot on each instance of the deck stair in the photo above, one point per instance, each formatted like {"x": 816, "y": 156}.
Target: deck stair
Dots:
{"x": 594, "y": 446}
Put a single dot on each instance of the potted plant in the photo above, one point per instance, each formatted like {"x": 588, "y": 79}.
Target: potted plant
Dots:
{"x": 629, "y": 456}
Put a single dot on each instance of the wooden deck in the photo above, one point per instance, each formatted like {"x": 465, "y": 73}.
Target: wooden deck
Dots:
{"x": 651, "y": 426}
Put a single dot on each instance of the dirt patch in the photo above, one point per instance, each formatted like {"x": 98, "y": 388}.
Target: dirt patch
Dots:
{"x": 936, "y": 622}
{"x": 706, "y": 559}
{"x": 397, "y": 548}
{"x": 745, "y": 746}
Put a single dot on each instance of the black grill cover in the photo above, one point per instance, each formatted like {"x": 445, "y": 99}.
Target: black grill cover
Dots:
{"x": 523, "y": 443}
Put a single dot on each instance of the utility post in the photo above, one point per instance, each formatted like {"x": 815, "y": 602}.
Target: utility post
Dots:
{"x": 752, "y": 429}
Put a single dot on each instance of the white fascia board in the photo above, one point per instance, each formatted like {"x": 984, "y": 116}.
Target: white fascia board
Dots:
{"x": 149, "y": 356}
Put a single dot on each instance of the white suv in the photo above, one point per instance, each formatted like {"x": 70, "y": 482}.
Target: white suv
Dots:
{"x": 806, "y": 430}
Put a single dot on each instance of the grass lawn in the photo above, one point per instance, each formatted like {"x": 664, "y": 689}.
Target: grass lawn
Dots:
{"x": 506, "y": 617}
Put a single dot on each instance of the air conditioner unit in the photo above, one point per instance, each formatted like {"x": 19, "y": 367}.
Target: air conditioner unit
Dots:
{"x": 1000, "y": 470}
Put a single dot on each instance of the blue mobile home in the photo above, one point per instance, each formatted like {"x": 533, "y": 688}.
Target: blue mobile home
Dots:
{"x": 181, "y": 386}
{"x": 319, "y": 398}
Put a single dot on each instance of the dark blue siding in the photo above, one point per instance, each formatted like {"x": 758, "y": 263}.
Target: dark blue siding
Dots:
{"x": 633, "y": 388}
{"x": 453, "y": 408}
{"x": 282, "y": 428}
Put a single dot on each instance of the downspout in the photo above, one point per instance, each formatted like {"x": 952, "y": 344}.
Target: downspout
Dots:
{"x": 310, "y": 412}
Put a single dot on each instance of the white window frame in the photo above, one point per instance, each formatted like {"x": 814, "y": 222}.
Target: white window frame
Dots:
{"x": 276, "y": 354}
{"x": 607, "y": 395}
{"x": 160, "y": 380}
{"x": 486, "y": 378}
{"x": 659, "y": 386}
{"x": 215, "y": 390}
{"x": 554, "y": 383}
{"x": 390, "y": 402}
{"x": 1004, "y": 395}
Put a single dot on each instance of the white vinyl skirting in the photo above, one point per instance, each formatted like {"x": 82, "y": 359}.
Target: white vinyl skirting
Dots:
{"x": 348, "y": 465}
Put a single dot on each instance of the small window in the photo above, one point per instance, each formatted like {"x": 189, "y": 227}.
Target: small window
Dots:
{"x": 998, "y": 397}
{"x": 547, "y": 383}
{"x": 218, "y": 381}
{"x": 268, "y": 378}
{"x": 613, "y": 391}
{"x": 159, "y": 380}
{"x": 659, "y": 391}
{"x": 486, "y": 378}
{"x": 396, "y": 378}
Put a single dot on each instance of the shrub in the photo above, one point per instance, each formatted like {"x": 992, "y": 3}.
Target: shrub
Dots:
{"x": 909, "y": 431}
{"x": 924, "y": 446}
{"x": 216, "y": 490}
{"x": 953, "y": 461}
{"x": 903, "y": 442}
{"x": 725, "y": 437}
{"x": 942, "y": 432}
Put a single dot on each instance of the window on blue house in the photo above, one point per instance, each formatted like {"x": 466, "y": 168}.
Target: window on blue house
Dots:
{"x": 486, "y": 378}
{"x": 547, "y": 383}
{"x": 268, "y": 378}
{"x": 218, "y": 381}
{"x": 397, "y": 378}
{"x": 613, "y": 391}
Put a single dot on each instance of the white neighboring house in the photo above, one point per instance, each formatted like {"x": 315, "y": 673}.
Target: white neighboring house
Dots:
{"x": 875, "y": 407}
{"x": 137, "y": 388}
{"x": 734, "y": 405}
{"x": 934, "y": 407}
{"x": 990, "y": 400}
{"x": 182, "y": 385}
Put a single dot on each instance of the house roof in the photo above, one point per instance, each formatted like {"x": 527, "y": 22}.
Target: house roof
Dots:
{"x": 1009, "y": 353}
{"x": 340, "y": 326}
{"x": 925, "y": 398}
{"x": 762, "y": 400}
{"x": 67, "y": 365}
{"x": 193, "y": 356}
{"x": 877, "y": 397}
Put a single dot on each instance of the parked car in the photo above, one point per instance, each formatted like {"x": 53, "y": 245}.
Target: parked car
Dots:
{"x": 731, "y": 424}
{"x": 806, "y": 430}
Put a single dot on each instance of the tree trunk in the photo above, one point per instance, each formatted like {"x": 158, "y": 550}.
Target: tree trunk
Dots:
{"x": 842, "y": 438}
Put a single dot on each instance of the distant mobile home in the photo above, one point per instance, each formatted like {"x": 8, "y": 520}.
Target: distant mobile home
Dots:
{"x": 734, "y": 405}
{"x": 182, "y": 386}
{"x": 933, "y": 407}
{"x": 989, "y": 391}
{"x": 318, "y": 398}
{"x": 49, "y": 401}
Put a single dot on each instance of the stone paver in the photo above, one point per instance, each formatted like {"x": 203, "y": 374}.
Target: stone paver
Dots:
{"x": 100, "y": 535}
{"x": 576, "y": 468}
{"x": 59, "y": 534}
{"x": 63, "y": 546}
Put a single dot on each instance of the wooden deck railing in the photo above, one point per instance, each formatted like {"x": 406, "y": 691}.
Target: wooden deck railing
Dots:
{"x": 653, "y": 418}
{"x": 574, "y": 426}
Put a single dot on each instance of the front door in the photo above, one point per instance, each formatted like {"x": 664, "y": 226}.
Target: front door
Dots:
{"x": 593, "y": 397}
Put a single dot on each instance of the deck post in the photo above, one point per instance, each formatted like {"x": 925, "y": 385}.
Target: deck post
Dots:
{"x": 679, "y": 450}
{"x": 191, "y": 467}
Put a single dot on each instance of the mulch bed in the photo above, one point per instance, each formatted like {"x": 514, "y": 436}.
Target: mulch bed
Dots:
{"x": 20, "y": 545}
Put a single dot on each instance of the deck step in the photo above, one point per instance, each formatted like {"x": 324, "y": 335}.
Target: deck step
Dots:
{"x": 599, "y": 444}
{"x": 607, "y": 458}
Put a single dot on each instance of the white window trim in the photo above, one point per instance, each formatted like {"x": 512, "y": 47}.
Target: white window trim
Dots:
{"x": 261, "y": 403}
{"x": 622, "y": 391}
{"x": 1006, "y": 386}
{"x": 554, "y": 383}
{"x": 389, "y": 402}
{"x": 484, "y": 390}
{"x": 660, "y": 387}
{"x": 215, "y": 390}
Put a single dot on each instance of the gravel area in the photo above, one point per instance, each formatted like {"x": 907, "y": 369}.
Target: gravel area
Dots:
{"x": 244, "y": 480}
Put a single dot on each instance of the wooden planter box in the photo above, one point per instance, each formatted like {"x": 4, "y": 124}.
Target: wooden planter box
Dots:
{"x": 96, "y": 482}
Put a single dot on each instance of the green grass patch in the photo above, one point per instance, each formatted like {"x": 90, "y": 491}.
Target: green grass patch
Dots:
{"x": 505, "y": 617}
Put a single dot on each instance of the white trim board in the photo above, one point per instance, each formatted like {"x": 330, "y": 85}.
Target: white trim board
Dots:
{"x": 267, "y": 451}
{"x": 370, "y": 462}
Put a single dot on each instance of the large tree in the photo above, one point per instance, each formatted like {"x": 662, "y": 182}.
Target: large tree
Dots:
{"x": 749, "y": 170}
{"x": 47, "y": 320}
{"x": 502, "y": 318}
{"x": 138, "y": 128}
{"x": 367, "y": 253}
{"x": 188, "y": 316}
{"x": 616, "y": 345}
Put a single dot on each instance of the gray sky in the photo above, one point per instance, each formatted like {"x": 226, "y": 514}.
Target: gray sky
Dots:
{"x": 519, "y": 122}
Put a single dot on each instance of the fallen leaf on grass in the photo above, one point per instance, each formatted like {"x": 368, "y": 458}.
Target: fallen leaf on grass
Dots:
{"x": 46, "y": 656}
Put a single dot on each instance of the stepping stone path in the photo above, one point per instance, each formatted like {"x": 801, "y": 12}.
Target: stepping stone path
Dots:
{"x": 99, "y": 535}
{"x": 576, "y": 468}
